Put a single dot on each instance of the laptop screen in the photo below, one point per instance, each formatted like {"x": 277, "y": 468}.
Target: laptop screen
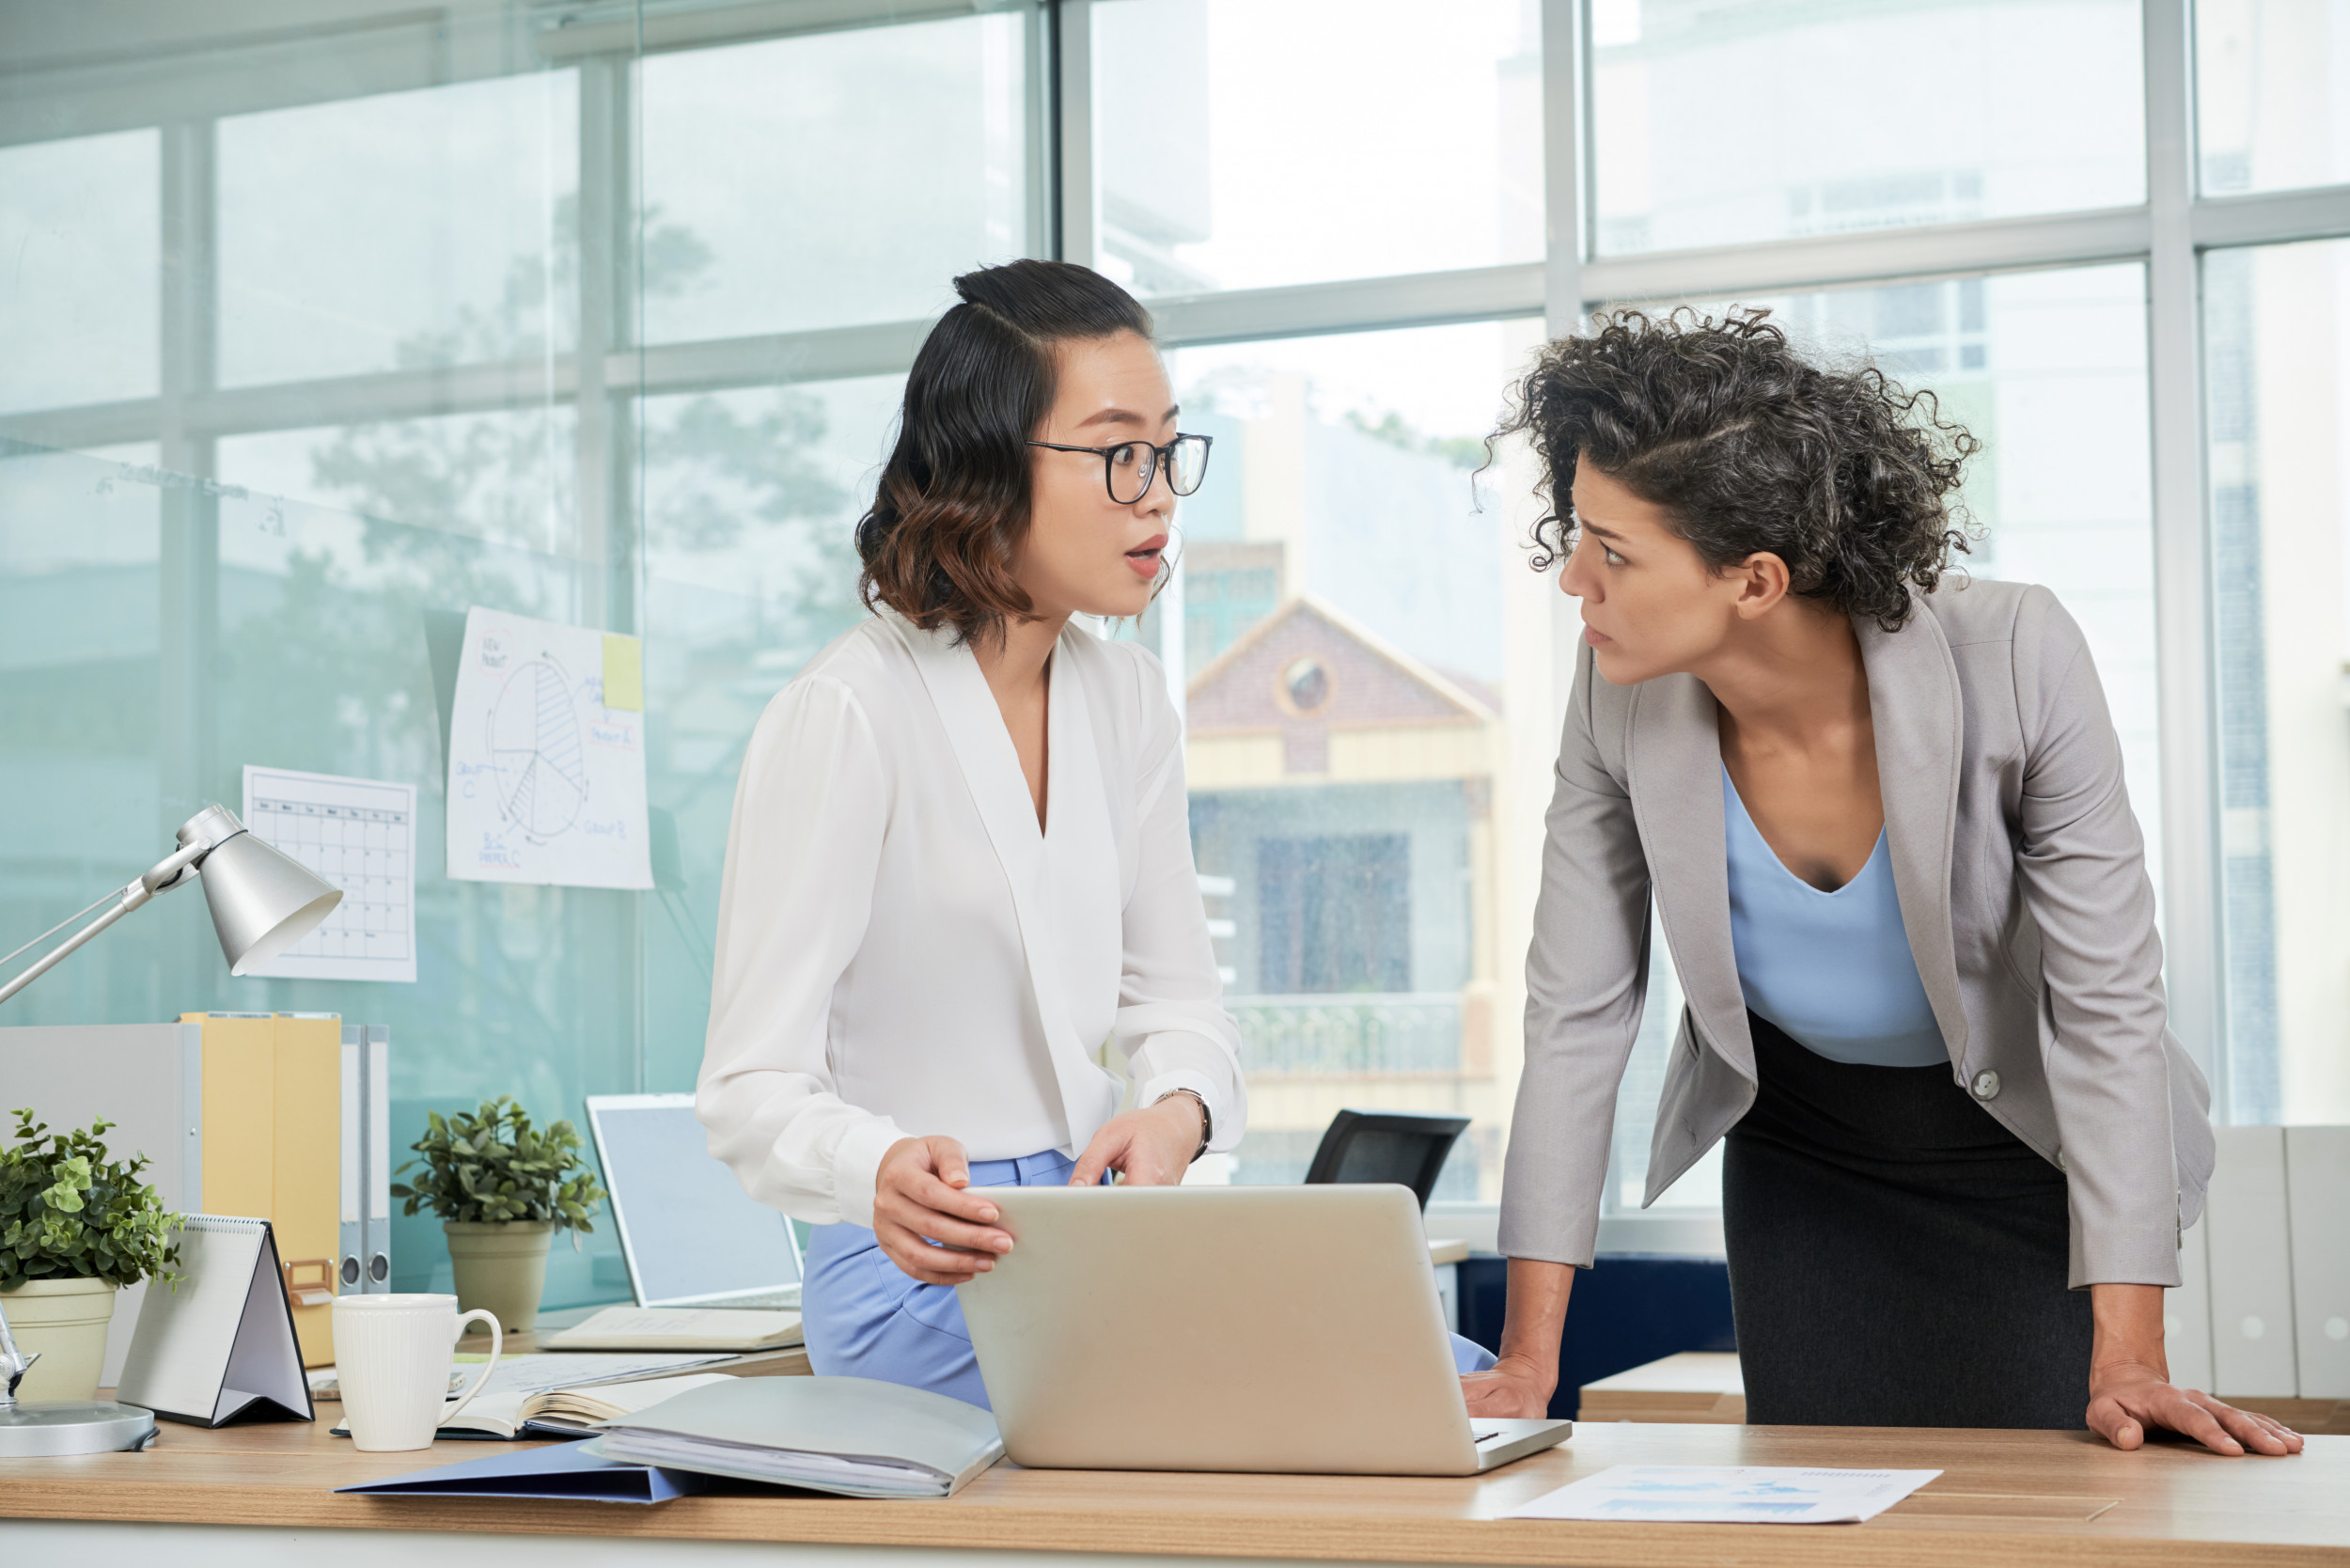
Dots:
{"x": 688, "y": 1228}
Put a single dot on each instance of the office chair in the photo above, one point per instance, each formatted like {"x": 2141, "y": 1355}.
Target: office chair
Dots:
{"x": 1386, "y": 1146}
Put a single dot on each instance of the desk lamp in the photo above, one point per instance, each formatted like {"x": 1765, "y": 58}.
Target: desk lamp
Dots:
{"x": 262, "y": 902}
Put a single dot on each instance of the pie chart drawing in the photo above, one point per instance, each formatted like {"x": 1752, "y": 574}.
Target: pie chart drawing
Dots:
{"x": 536, "y": 750}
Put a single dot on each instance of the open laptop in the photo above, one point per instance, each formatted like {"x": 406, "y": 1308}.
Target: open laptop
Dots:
{"x": 690, "y": 1236}
{"x": 1285, "y": 1329}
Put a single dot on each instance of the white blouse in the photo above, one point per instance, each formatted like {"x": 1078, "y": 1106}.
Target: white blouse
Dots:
{"x": 902, "y": 952}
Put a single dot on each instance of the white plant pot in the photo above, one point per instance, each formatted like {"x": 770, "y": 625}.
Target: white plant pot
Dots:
{"x": 64, "y": 1321}
{"x": 501, "y": 1266}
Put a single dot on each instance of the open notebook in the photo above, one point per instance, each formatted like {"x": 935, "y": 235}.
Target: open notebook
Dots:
{"x": 572, "y": 1412}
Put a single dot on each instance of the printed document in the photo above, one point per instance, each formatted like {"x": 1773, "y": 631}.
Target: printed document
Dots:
{"x": 359, "y": 834}
{"x": 1729, "y": 1495}
{"x": 546, "y": 776}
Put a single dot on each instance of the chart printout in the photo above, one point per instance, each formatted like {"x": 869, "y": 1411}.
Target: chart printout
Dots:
{"x": 359, "y": 834}
{"x": 546, "y": 779}
{"x": 1729, "y": 1495}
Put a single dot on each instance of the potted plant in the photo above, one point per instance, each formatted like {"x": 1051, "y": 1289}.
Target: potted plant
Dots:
{"x": 502, "y": 1188}
{"x": 75, "y": 1226}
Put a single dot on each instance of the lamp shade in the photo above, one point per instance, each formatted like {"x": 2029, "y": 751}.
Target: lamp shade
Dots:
{"x": 263, "y": 901}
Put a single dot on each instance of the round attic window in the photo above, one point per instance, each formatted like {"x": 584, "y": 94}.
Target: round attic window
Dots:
{"x": 1306, "y": 685}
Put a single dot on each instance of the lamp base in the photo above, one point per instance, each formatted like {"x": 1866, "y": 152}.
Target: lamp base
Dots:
{"x": 32, "y": 1429}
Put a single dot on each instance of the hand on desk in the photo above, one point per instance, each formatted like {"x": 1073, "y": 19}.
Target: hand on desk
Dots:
{"x": 2130, "y": 1388}
{"x": 920, "y": 1196}
{"x": 2124, "y": 1401}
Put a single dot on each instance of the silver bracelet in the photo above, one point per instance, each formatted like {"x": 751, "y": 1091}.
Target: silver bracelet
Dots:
{"x": 1207, "y": 1118}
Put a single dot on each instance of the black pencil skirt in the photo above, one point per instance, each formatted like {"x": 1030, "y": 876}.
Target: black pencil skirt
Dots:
{"x": 1897, "y": 1257}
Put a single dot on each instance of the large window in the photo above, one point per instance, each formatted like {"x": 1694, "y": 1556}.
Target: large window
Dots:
{"x": 1245, "y": 143}
{"x": 81, "y": 227}
{"x": 1850, "y": 118}
{"x": 2277, "y": 323}
{"x": 1348, "y": 597}
{"x": 321, "y": 329}
{"x": 2272, "y": 82}
{"x": 835, "y": 177}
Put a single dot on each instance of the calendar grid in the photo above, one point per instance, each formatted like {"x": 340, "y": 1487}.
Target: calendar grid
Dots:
{"x": 360, "y": 834}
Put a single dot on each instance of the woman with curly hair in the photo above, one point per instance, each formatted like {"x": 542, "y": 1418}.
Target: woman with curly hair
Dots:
{"x": 1879, "y": 806}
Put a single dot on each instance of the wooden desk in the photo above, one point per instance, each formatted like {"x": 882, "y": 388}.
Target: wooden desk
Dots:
{"x": 1699, "y": 1386}
{"x": 2017, "y": 1498}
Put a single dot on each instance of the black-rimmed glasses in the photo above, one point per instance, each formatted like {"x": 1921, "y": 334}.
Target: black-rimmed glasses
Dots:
{"x": 1129, "y": 467}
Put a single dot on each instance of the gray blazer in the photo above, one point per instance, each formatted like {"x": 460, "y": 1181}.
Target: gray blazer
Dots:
{"x": 2022, "y": 882}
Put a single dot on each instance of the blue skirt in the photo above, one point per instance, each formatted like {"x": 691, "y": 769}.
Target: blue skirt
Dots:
{"x": 865, "y": 1317}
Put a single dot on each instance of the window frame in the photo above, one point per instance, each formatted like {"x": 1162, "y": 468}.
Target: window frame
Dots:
{"x": 612, "y": 371}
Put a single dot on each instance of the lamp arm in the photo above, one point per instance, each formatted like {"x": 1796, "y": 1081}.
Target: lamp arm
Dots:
{"x": 161, "y": 877}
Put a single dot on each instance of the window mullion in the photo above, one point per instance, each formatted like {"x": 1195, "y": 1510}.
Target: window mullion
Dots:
{"x": 1076, "y": 188}
{"x": 2191, "y": 891}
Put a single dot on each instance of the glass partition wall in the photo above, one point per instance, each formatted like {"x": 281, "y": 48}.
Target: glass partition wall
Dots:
{"x": 326, "y": 323}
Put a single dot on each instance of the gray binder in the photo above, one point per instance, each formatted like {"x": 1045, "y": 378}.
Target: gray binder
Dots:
{"x": 365, "y": 1267}
{"x": 146, "y": 1078}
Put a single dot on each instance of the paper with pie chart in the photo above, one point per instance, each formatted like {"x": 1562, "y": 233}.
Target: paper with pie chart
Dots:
{"x": 546, "y": 782}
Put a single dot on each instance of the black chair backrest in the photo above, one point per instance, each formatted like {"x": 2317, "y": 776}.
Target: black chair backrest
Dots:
{"x": 1386, "y": 1146}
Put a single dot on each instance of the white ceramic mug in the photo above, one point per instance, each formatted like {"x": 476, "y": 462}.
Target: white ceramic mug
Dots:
{"x": 392, "y": 1356}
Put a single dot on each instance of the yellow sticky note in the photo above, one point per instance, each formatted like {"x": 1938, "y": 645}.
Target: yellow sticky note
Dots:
{"x": 623, "y": 672}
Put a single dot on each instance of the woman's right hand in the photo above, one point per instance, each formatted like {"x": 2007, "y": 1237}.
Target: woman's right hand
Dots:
{"x": 920, "y": 1196}
{"x": 1513, "y": 1389}
{"x": 1519, "y": 1385}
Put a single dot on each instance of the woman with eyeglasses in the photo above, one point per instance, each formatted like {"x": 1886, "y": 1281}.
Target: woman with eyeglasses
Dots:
{"x": 961, "y": 854}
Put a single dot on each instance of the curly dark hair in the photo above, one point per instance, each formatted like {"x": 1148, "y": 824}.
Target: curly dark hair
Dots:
{"x": 1843, "y": 475}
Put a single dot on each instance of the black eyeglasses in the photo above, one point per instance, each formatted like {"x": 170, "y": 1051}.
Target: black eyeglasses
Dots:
{"x": 1129, "y": 467}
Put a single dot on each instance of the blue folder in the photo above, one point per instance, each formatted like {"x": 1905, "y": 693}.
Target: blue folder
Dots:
{"x": 557, "y": 1471}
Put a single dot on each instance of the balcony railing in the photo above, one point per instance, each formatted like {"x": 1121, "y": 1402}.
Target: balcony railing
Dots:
{"x": 1350, "y": 1033}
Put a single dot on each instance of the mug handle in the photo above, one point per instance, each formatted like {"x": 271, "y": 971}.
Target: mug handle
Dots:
{"x": 497, "y": 1343}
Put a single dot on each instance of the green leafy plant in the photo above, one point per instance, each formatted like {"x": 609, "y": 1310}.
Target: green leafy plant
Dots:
{"x": 493, "y": 1165}
{"x": 68, "y": 1212}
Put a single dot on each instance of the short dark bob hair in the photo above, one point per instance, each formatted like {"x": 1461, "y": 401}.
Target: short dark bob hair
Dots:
{"x": 952, "y": 505}
{"x": 1751, "y": 447}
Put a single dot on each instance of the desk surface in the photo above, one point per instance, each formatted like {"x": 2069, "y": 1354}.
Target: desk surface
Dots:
{"x": 1697, "y": 1386}
{"x": 2049, "y": 1495}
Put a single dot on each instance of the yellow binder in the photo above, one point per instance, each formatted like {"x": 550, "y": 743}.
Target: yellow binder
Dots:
{"x": 273, "y": 1130}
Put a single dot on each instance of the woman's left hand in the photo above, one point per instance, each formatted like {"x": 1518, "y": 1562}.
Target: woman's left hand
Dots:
{"x": 1150, "y": 1147}
{"x": 2124, "y": 1401}
{"x": 2130, "y": 1388}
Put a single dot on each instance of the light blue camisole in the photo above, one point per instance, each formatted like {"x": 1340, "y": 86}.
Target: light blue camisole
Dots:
{"x": 1832, "y": 969}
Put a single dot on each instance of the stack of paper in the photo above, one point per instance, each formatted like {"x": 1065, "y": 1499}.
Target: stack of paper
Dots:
{"x": 1731, "y": 1495}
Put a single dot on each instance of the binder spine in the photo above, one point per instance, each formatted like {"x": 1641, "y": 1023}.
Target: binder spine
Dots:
{"x": 376, "y": 1201}
{"x": 350, "y": 1263}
